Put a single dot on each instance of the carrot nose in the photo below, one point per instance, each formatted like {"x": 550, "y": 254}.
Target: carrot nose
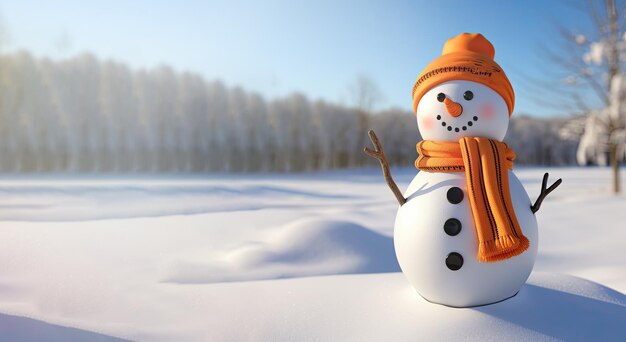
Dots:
{"x": 453, "y": 108}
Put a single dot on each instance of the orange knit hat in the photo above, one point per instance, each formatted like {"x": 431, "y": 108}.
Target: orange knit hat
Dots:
{"x": 469, "y": 57}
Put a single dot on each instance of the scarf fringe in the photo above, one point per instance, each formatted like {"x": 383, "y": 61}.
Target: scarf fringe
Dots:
{"x": 503, "y": 248}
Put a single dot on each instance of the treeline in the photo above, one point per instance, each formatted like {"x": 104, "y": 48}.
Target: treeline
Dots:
{"x": 87, "y": 115}
{"x": 538, "y": 141}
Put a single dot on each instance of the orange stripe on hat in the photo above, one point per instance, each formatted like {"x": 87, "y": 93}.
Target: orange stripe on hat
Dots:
{"x": 468, "y": 57}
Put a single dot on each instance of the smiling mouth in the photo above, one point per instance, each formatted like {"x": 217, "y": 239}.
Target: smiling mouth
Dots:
{"x": 457, "y": 129}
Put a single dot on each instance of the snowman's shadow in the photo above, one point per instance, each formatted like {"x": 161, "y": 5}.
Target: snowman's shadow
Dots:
{"x": 563, "y": 315}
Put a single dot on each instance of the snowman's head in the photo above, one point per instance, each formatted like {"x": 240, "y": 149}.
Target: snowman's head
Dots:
{"x": 463, "y": 92}
{"x": 456, "y": 109}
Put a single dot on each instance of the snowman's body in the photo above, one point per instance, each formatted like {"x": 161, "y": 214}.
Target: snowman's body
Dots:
{"x": 439, "y": 259}
{"x": 422, "y": 244}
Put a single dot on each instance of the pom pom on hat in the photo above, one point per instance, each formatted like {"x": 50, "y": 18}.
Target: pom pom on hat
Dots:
{"x": 469, "y": 57}
{"x": 469, "y": 42}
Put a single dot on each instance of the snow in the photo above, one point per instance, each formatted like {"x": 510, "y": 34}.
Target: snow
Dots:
{"x": 596, "y": 54}
{"x": 282, "y": 257}
{"x": 302, "y": 248}
{"x": 16, "y": 329}
{"x": 383, "y": 307}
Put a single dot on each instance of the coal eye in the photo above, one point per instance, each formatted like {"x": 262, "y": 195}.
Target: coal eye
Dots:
{"x": 468, "y": 95}
{"x": 441, "y": 97}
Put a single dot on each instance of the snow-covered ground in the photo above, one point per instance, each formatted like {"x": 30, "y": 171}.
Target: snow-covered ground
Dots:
{"x": 205, "y": 259}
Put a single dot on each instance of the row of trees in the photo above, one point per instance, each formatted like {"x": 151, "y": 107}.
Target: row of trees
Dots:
{"x": 87, "y": 115}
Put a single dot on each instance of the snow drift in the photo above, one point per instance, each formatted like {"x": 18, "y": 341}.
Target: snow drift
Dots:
{"x": 302, "y": 248}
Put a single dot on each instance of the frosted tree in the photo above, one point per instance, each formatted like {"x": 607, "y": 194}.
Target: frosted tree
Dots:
{"x": 593, "y": 140}
{"x": 117, "y": 119}
{"x": 364, "y": 95}
{"x": 191, "y": 116}
{"x": 30, "y": 140}
{"x": 258, "y": 130}
{"x": 336, "y": 134}
{"x": 593, "y": 61}
{"x": 144, "y": 139}
{"x": 616, "y": 115}
{"x": 398, "y": 133}
{"x": 300, "y": 132}
{"x": 164, "y": 123}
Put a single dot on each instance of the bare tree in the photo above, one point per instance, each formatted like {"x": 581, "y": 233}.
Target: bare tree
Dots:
{"x": 592, "y": 62}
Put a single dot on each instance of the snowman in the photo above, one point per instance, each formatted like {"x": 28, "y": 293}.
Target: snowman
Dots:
{"x": 466, "y": 232}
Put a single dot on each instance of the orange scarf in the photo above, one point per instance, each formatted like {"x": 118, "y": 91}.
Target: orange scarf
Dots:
{"x": 486, "y": 163}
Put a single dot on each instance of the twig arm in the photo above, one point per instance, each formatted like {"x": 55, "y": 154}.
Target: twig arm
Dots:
{"x": 379, "y": 154}
{"x": 544, "y": 192}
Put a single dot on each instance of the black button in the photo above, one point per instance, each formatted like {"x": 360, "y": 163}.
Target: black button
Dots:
{"x": 454, "y": 261}
{"x": 452, "y": 227}
{"x": 455, "y": 195}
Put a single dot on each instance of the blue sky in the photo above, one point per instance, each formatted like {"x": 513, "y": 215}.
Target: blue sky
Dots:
{"x": 277, "y": 47}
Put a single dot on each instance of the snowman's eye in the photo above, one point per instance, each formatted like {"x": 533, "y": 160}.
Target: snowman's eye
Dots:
{"x": 468, "y": 95}
{"x": 441, "y": 97}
